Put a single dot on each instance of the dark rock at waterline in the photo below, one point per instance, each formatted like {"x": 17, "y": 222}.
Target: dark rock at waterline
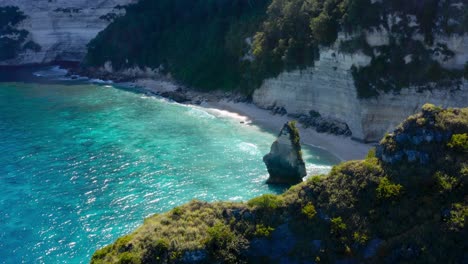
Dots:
{"x": 284, "y": 162}
{"x": 322, "y": 124}
{"x": 177, "y": 96}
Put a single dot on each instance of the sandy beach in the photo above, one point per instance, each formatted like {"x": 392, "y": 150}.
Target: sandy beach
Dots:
{"x": 342, "y": 147}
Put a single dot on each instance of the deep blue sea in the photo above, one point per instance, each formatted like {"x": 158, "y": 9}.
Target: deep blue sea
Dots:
{"x": 82, "y": 164}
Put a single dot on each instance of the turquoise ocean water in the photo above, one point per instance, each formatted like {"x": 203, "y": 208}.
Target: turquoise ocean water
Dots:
{"x": 82, "y": 164}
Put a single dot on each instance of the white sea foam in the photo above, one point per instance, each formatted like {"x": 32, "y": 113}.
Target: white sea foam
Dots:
{"x": 250, "y": 148}
{"x": 314, "y": 169}
{"x": 198, "y": 113}
{"x": 99, "y": 81}
{"x": 52, "y": 72}
{"x": 228, "y": 114}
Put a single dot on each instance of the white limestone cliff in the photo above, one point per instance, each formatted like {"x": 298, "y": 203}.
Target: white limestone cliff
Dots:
{"x": 328, "y": 88}
{"x": 62, "y": 28}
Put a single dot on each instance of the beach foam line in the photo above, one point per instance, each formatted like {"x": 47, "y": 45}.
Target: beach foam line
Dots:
{"x": 227, "y": 114}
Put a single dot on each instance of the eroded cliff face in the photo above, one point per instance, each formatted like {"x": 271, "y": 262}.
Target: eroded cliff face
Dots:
{"x": 62, "y": 28}
{"x": 329, "y": 89}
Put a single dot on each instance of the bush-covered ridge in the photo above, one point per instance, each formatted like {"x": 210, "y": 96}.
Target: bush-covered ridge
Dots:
{"x": 209, "y": 45}
{"x": 367, "y": 211}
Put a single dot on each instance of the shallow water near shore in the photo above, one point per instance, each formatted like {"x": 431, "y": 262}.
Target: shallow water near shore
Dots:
{"x": 82, "y": 164}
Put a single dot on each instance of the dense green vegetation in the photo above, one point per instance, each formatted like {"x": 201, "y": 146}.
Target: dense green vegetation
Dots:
{"x": 295, "y": 138}
{"x": 199, "y": 42}
{"x": 387, "y": 208}
{"x": 203, "y": 43}
{"x": 12, "y": 40}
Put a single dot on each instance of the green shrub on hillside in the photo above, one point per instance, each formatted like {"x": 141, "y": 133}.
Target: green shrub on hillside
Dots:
{"x": 360, "y": 238}
{"x": 263, "y": 231}
{"x": 100, "y": 254}
{"x": 128, "y": 258}
{"x": 219, "y": 235}
{"x": 223, "y": 244}
{"x": 266, "y": 201}
{"x": 123, "y": 243}
{"x": 337, "y": 225}
{"x": 459, "y": 142}
{"x": 458, "y": 216}
{"x": 309, "y": 211}
{"x": 388, "y": 190}
{"x": 295, "y": 138}
{"x": 445, "y": 182}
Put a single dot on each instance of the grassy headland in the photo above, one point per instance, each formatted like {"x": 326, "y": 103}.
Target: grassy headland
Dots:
{"x": 406, "y": 203}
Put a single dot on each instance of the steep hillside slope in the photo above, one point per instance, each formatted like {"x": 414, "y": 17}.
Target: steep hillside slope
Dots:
{"x": 53, "y": 30}
{"x": 405, "y": 203}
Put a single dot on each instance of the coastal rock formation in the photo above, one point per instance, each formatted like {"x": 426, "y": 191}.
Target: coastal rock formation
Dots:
{"x": 61, "y": 28}
{"x": 373, "y": 77}
{"x": 284, "y": 162}
{"x": 328, "y": 88}
{"x": 417, "y": 140}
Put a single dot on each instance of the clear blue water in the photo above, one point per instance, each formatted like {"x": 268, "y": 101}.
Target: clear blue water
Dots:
{"x": 81, "y": 165}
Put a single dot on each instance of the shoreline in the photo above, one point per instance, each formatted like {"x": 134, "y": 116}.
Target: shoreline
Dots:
{"x": 154, "y": 84}
{"x": 342, "y": 147}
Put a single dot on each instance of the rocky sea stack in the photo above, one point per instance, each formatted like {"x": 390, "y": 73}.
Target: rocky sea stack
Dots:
{"x": 284, "y": 162}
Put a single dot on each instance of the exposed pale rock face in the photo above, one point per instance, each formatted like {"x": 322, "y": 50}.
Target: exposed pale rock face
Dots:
{"x": 284, "y": 162}
{"x": 383, "y": 113}
{"x": 328, "y": 88}
{"x": 378, "y": 37}
{"x": 458, "y": 44}
{"x": 62, "y": 28}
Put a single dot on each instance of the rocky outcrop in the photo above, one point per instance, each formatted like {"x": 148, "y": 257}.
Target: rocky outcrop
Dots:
{"x": 61, "y": 28}
{"x": 422, "y": 137}
{"x": 328, "y": 88}
{"x": 322, "y": 125}
{"x": 284, "y": 162}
